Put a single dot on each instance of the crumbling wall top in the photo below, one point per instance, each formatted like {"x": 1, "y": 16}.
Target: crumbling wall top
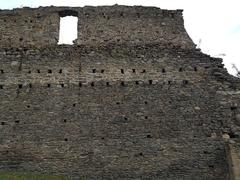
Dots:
{"x": 96, "y": 26}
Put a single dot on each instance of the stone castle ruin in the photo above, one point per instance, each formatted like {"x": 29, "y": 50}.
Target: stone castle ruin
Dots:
{"x": 132, "y": 98}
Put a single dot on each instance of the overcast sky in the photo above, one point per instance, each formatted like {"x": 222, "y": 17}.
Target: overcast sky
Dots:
{"x": 215, "y": 22}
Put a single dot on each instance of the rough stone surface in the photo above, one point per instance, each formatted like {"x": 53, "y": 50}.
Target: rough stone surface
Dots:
{"x": 96, "y": 26}
{"x": 131, "y": 99}
{"x": 233, "y": 151}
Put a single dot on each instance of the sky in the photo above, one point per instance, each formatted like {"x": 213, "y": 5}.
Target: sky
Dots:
{"x": 214, "y": 25}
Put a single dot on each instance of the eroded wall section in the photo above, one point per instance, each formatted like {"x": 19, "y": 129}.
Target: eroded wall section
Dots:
{"x": 28, "y": 27}
{"x": 96, "y": 26}
{"x": 114, "y": 112}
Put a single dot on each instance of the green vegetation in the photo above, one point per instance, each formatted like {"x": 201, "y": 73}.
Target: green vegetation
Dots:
{"x": 28, "y": 176}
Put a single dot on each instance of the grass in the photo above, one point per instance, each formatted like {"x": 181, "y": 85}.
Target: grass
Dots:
{"x": 28, "y": 176}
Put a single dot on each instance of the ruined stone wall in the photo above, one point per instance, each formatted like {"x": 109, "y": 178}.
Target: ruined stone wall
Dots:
{"x": 28, "y": 27}
{"x": 132, "y": 25}
{"x": 131, "y": 112}
{"x": 96, "y": 26}
{"x": 118, "y": 110}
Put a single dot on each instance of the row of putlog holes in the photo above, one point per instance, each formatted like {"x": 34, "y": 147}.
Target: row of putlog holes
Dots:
{"x": 92, "y": 84}
{"x": 49, "y": 71}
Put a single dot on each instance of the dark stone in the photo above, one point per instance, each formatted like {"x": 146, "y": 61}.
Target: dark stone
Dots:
{"x": 131, "y": 99}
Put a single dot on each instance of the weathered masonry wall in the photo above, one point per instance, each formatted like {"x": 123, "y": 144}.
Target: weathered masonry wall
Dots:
{"x": 131, "y": 99}
{"x": 141, "y": 112}
{"x": 25, "y": 27}
{"x": 233, "y": 152}
{"x": 96, "y": 26}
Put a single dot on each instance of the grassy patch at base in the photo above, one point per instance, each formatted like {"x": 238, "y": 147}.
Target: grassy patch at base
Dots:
{"x": 28, "y": 176}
